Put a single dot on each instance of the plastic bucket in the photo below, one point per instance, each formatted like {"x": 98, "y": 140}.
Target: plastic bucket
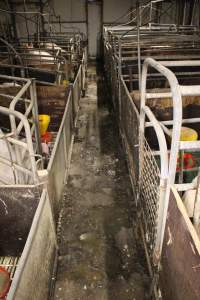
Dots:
{"x": 44, "y": 121}
{"x": 188, "y": 134}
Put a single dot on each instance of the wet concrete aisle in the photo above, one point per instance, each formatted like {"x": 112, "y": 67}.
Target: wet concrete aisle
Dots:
{"x": 100, "y": 256}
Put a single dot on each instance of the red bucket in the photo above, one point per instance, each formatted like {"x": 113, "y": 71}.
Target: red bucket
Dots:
{"x": 4, "y": 282}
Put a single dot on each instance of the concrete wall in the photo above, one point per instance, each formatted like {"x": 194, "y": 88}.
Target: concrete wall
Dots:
{"x": 72, "y": 11}
{"x": 114, "y": 9}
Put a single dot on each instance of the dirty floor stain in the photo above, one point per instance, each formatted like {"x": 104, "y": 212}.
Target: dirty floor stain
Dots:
{"x": 100, "y": 254}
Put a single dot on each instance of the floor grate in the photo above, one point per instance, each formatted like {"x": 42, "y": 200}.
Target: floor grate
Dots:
{"x": 10, "y": 263}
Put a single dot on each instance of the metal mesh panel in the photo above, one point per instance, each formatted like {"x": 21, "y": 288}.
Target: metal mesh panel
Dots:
{"x": 149, "y": 194}
{"x": 112, "y": 77}
{"x": 130, "y": 127}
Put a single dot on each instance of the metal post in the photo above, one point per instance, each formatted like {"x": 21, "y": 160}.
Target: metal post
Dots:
{"x": 13, "y": 20}
{"x": 184, "y": 13}
{"x": 119, "y": 75}
{"x": 33, "y": 95}
{"x": 196, "y": 213}
{"x": 138, "y": 43}
{"x": 41, "y": 15}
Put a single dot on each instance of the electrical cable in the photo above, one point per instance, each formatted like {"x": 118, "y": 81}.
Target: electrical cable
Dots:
{"x": 147, "y": 23}
{"x": 27, "y": 29}
{"x": 134, "y": 11}
{"x": 21, "y": 12}
{"x": 133, "y": 19}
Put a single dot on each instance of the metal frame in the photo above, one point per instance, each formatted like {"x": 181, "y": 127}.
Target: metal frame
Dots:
{"x": 53, "y": 50}
{"x": 176, "y": 93}
{"x": 129, "y": 46}
{"x": 42, "y": 230}
{"x": 24, "y": 128}
{"x": 151, "y": 180}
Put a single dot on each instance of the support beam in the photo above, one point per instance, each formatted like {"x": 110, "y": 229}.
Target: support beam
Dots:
{"x": 13, "y": 19}
{"x": 41, "y": 5}
{"x": 191, "y": 7}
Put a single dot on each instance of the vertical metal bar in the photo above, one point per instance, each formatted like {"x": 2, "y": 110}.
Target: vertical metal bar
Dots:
{"x": 87, "y": 29}
{"x": 142, "y": 120}
{"x": 119, "y": 76}
{"x": 13, "y": 19}
{"x": 41, "y": 16}
{"x": 184, "y": 13}
{"x": 199, "y": 13}
{"x": 131, "y": 77}
{"x": 181, "y": 166}
{"x": 26, "y": 21}
{"x": 151, "y": 8}
{"x": 59, "y": 20}
{"x": 190, "y": 12}
{"x": 65, "y": 139}
{"x": 138, "y": 44}
{"x": 33, "y": 96}
{"x": 16, "y": 148}
{"x": 196, "y": 214}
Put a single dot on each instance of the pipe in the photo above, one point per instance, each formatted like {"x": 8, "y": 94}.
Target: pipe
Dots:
{"x": 16, "y": 53}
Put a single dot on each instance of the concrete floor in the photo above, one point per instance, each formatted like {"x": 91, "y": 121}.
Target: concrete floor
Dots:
{"x": 100, "y": 255}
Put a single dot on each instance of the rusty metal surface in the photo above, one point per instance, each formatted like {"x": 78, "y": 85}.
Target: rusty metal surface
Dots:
{"x": 17, "y": 209}
{"x": 180, "y": 271}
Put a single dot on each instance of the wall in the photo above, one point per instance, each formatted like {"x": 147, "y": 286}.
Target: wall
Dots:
{"x": 73, "y": 13}
{"x": 114, "y": 9}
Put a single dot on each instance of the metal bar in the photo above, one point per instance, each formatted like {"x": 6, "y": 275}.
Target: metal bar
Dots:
{"x": 161, "y": 141}
{"x": 19, "y": 94}
{"x": 196, "y": 212}
{"x": 185, "y": 186}
{"x": 67, "y": 22}
{"x": 170, "y": 122}
{"x": 18, "y": 115}
{"x": 130, "y": 99}
{"x": 186, "y": 90}
{"x": 138, "y": 43}
{"x": 177, "y": 112}
{"x": 180, "y": 63}
{"x": 189, "y": 145}
{"x": 190, "y": 90}
{"x": 35, "y": 116}
{"x": 16, "y": 166}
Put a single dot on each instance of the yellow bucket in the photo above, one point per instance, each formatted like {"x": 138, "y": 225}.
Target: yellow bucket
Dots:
{"x": 188, "y": 134}
{"x": 44, "y": 121}
{"x": 65, "y": 83}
